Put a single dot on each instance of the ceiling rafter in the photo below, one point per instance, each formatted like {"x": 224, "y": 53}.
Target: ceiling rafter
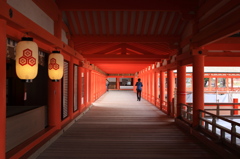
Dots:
{"x": 107, "y": 29}
{"x": 121, "y": 26}
{"x": 114, "y": 23}
{"x": 136, "y": 22}
{"x": 219, "y": 13}
{"x": 86, "y": 28}
{"x": 129, "y": 22}
{"x": 99, "y": 22}
{"x": 158, "y": 23}
{"x": 166, "y": 22}
{"x": 143, "y": 22}
{"x": 150, "y": 27}
{"x": 70, "y": 23}
{"x": 77, "y": 22}
{"x": 172, "y": 25}
{"x": 93, "y": 25}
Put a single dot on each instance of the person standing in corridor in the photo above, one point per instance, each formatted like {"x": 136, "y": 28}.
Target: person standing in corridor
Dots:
{"x": 139, "y": 89}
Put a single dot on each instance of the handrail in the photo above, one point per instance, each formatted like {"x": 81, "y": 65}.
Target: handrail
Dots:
{"x": 220, "y": 131}
{"x": 219, "y": 117}
{"x": 186, "y": 113}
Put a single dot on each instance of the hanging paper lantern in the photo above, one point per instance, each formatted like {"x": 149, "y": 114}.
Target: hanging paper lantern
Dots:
{"x": 27, "y": 59}
{"x": 55, "y": 66}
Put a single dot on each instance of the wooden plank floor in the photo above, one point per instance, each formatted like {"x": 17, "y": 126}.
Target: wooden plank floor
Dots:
{"x": 120, "y": 127}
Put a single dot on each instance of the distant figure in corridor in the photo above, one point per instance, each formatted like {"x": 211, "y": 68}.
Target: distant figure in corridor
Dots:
{"x": 139, "y": 89}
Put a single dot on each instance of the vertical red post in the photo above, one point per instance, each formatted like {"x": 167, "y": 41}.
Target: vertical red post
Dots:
{"x": 3, "y": 48}
{"x": 150, "y": 86}
{"x": 79, "y": 88}
{"x": 198, "y": 87}
{"x": 235, "y": 112}
{"x": 155, "y": 88}
{"x": 181, "y": 88}
{"x": 170, "y": 91}
{"x": 54, "y": 103}
{"x": 117, "y": 83}
{"x": 162, "y": 88}
{"x": 70, "y": 88}
{"x": 54, "y": 88}
{"x": 90, "y": 86}
{"x": 86, "y": 91}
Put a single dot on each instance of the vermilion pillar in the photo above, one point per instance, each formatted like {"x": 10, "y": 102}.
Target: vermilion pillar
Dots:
{"x": 86, "y": 87}
{"x": 79, "y": 88}
{"x": 198, "y": 87}
{"x": 117, "y": 83}
{"x": 54, "y": 104}
{"x": 170, "y": 91}
{"x": 90, "y": 86}
{"x": 3, "y": 77}
{"x": 70, "y": 90}
{"x": 162, "y": 88}
{"x": 181, "y": 88}
{"x": 155, "y": 88}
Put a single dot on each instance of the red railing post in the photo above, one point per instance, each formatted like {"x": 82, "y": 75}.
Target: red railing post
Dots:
{"x": 235, "y": 100}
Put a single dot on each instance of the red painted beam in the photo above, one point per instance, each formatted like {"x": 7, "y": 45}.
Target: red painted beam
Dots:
{"x": 114, "y": 61}
{"x": 110, "y": 56}
{"x": 222, "y": 46}
{"x": 126, "y": 39}
{"x": 219, "y": 29}
{"x": 223, "y": 54}
{"x": 163, "y": 5}
{"x": 222, "y": 61}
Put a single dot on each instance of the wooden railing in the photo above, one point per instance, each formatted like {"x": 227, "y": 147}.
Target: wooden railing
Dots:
{"x": 221, "y": 111}
{"x": 186, "y": 113}
{"x": 228, "y": 132}
{"x": 218, "y": 127}
{"x": 164, "y": 106}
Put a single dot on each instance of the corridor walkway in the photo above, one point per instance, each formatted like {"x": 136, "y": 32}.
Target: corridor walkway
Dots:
{"x": 120, "y": 127}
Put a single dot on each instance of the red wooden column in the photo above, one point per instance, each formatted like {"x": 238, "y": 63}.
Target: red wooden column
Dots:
{"x": 155, "y": 87}
{"x": 70, "y": 88}
{"x": 55, "y": 88}
{"x": 170, "y": 91}
{"x": 148, "y": 86}
{"x": 198, "y": 87}
{"x": 117, "y": 83}
{"x": 86, "y": 89}
{"x": 3, "y": 48}
{"x": 90, "y": 86}
{"x": 181, "y": 88}
{"x": 79, "y": 88}
{"x": 54, "y": 103}
{"x": 152, "y": 79}
{"x": 83, "y": 89}
{"x": 162, "y": 88}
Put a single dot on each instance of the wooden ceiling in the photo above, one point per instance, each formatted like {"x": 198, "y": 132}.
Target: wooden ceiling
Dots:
{"x": 126, "y": 36}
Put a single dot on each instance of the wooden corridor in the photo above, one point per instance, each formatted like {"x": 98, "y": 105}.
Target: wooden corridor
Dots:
{"x": 120, "y": 127}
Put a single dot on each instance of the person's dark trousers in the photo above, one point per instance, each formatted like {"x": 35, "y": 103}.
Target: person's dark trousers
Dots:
{"x": 139, "y": 95}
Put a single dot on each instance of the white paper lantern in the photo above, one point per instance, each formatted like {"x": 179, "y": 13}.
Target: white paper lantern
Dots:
{"x": 27, "y": 59}
{"x": 55, "y": 66}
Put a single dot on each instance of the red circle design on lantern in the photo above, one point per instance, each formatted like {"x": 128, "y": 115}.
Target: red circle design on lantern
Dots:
{"x": 27, "y": 58}
{"x": 53, "y": 64}
{"x": 31, "y": 61}
{"x": 22, "y": 61}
